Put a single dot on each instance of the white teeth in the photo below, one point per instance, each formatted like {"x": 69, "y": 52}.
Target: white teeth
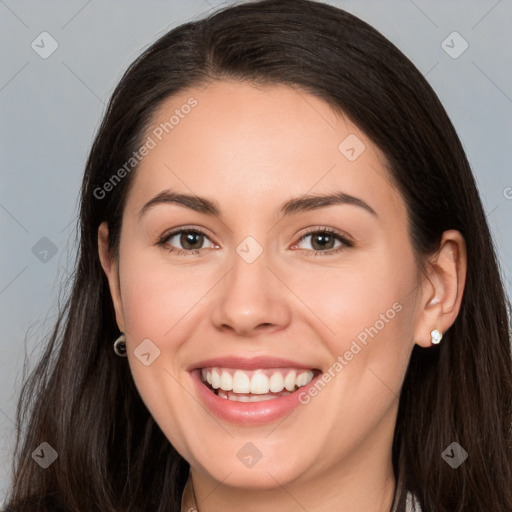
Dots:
{"x": 241, "y": 382}
{"x": 258, "y": 382}
{"x": 226, "y": 381}
{"x": 234, "y": 397}
{"x": 289, "y": 381}
{"x": 302, "y": 379}
{"x": 276, "y": 383}
{"x": 215, "y": 379}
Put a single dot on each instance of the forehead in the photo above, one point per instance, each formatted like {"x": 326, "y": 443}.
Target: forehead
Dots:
{"x": 253, "y": 145}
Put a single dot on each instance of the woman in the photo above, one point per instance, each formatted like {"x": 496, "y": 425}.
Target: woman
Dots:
{"x": 286, "y": 295}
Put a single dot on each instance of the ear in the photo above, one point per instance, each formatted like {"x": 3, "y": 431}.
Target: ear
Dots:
{"x": 442, "y": 288}
{"x": 111, "y": 269}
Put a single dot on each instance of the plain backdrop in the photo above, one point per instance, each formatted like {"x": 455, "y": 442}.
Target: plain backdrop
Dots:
{"x": 51, "y": 106}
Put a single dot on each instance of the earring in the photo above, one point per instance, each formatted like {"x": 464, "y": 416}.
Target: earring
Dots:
{"x": 436, "y": 336}
{"x": 120, "y": 346}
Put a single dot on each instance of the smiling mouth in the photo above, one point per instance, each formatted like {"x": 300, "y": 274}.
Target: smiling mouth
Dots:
{"x": 255, "y": 386}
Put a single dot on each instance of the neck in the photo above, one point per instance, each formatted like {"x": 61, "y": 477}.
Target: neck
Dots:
{"x": 369, "y": 486}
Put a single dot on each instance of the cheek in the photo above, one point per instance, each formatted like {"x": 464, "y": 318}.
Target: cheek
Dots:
{"x": 157, "y": 297}
{"x": 157, "y": 300}
{"x": 165, "y": 304}
{"x": 346, "y": 300}
{"x": 364, "y": 314}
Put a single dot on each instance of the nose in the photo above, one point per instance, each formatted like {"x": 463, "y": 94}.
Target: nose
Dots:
{"x": 251, "y": 299}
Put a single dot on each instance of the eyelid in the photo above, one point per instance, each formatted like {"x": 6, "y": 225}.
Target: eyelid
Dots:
{"x": 346, "y": 241}
{"x": 325, "y": 229}
{"x": 163, "y": 239}
{"x": 344, "y": 238}
{"x": 174, "y": 231}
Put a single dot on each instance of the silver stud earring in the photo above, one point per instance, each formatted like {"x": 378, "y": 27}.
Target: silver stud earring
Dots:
{"x": 120, "y": 346}
{"x": 436, "y": 336}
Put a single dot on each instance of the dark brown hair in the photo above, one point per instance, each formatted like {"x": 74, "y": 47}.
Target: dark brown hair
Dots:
{"x": 81, "y": 398}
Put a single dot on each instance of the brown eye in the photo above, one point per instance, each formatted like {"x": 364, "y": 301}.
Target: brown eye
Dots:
{"x": 321, "y": 241}
{"x": 184, "y": 240}
{"x": 324, "y": 241}
{"x": 191, "y": 240}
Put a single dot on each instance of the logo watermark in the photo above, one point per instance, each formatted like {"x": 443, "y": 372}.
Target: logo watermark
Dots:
{"x": 151, "y": 141}
{"x": 454, "y": 455}
{"x": 343, "y": 360}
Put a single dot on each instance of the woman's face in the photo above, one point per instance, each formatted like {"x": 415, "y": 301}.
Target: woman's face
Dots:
{"x": 252, "y": 295}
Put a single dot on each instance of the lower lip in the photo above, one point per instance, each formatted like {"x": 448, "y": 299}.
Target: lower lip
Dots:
{"x": 249, "y": 413}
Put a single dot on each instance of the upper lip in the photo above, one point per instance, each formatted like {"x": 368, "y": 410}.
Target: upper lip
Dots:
{"x": 252, "y": 363}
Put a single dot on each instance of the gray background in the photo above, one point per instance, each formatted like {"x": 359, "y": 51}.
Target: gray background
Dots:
{"x": 51, "y": 108}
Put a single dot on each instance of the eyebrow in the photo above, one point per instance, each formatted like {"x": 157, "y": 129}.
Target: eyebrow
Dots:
{"x": 290, "y": 207}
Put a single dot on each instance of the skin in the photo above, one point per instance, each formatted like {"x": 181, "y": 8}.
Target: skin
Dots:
{"x": 250, "y": 149}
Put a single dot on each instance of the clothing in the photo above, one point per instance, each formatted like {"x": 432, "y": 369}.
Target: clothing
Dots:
{"x": 411, "y": 504}
{"x": 188, "y": 503}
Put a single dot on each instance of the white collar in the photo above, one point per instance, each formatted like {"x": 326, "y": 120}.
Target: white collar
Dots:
{"x": 411, "y": 503}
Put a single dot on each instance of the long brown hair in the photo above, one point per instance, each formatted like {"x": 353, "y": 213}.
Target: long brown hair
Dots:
{"x": 81, "y": 398}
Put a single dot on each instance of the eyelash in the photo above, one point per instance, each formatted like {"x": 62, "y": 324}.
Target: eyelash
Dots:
{"x": 346, "y": 243}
